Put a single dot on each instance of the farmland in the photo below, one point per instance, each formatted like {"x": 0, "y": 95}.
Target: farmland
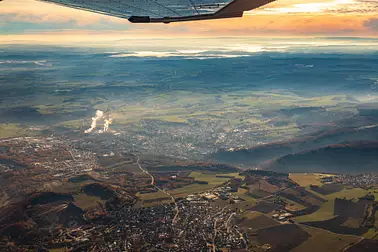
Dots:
{"x": 322, "y": 240}
{"x": 86, "y": 202}
{"x": 307, "y": 179}
{"x": 326, "y": 210}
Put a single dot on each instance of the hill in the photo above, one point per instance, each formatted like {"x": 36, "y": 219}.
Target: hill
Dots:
{"x": 262, "y": 153}
{"x": 361, "y": 156}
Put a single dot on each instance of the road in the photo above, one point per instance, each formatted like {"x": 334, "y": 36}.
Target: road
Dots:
{"x": 176, "y": 207}
{"x": 227, "y": 223}
{"x": 215, "y": 234}
{"x": 352, "y": 244}
{"x": 215, "y": 226}
{"x": 146, "y": 172}
{"x": 162, "y": 190}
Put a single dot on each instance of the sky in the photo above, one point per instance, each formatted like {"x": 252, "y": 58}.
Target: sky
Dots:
{"x": 31, "y": 21}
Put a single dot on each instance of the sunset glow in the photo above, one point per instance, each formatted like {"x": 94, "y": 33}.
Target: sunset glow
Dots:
{"x": 28, "y": 20}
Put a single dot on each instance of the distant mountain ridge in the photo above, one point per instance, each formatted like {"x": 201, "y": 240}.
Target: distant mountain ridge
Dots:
{"x": 359, "y": 156}
{"x": 260, "y": 154}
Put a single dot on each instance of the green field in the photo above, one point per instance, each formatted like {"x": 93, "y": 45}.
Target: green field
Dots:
{"x": 353, "y": 193}
{"x": 322, "y": 240}
{"x": 68, "y": 187}
{"x": 158, "y": 198}
{"x": 211, "y": 178}
{"x": 85, "y": 201}
{"x": 307, "y": 179}
{"x": 58, "y": 250}
{"x": 152, "y": 196}
{"x": 324, "y": 213}
{"x": 14, "y": 130}
{"x": 326, "y": 210}
{"x": 234, "y": 174}
{"x": 153, "y": 199}
{"x": 190, "y": 189}
{"x": 243, "y": 193}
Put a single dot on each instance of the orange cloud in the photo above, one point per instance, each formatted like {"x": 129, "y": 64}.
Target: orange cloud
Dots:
{"x": 39, "y": 12}
{"x": 289, "y": 25}
{"x": 269, "y": 21}
{"x": 335, "y": 7}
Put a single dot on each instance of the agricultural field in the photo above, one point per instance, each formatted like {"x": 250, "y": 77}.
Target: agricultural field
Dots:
{"x": 58, "y": 250}
{"x": 244, "y": 205}
{"x": 158, "y": 198}
{"x": 307, "y": 179}
{"x": 264, "y": 186}
{"x": 302, "y": 196}
{"x": 159, "y": 195}
{"x": 243, "y": 194}
{"x": 68, "y": 187}
{"x": 125, "y": 166}
{"x": 234, "y": 174}
{"x": 353, "y": 193}
{"x": 14, "y": 130}
{"x": 190, "y": 189}
{"x": 324, "y": 213}
{"x": 211, "y": 178}
{"x": 326, "y": 210}
{"x": 293, "y": 206}
{"x": 285, "y": 237}
{"x": 85, "y": 201}
{"x": 322, "y": 240}
{"x": 265, "y": 207}
{"x": 255, "y": 220}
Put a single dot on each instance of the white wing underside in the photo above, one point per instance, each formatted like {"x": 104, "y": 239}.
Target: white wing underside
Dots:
{"x": 146, "y": 11}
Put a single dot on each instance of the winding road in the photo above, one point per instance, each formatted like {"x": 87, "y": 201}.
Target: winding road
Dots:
{"x": 162, "y": 190}
{"x": 147, "y": 172}
{"x": 215, "y": 226}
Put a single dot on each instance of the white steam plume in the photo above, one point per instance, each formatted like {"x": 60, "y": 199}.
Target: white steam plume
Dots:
{"x": 107, "y": 122}
{"x": 99, "y": 115}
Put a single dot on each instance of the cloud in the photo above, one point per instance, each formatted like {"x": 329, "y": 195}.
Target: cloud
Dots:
{"x": 287, "y": 18}
{"x": 372, "y": 24}
{"x": 37, "y": 12}
{"x": 336, "y": 7}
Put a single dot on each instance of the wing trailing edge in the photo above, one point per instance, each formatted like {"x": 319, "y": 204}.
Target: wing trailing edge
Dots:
{"x": 165, "y": 11}
{"x": 233, "y": 10}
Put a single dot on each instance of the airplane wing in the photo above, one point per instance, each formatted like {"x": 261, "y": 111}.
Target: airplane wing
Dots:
{"x": 165, "y": 11}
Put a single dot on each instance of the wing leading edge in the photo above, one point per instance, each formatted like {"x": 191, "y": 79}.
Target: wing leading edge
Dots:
{"x": 165, "y": 11}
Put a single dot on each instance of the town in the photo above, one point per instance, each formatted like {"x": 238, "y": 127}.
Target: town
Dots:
{"x": 79, "y": 199}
